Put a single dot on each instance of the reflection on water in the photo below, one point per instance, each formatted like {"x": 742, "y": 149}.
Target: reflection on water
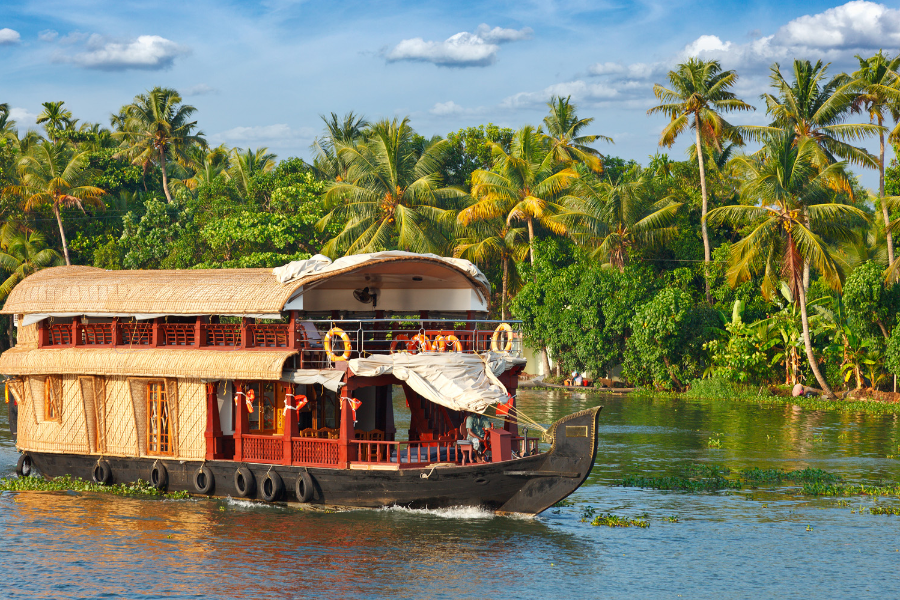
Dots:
{"x": 752, "y": 543}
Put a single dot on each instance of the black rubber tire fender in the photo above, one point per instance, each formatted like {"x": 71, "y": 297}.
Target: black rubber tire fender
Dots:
{"x": 204, "y": 480}
{"x": 304, "y": 488}
{"x": 101, "y": 473}
{"x": 272, "y": 487}
{"x": 159, "y": 476}
{"x": 244, "y": 482}
{"x": 24, "y": 466}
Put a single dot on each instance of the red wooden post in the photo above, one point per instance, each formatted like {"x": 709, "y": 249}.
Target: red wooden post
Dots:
{"x": 245, "y": 339}
{"x": 116, "y": 333}
{"x": 290, "y": 424}
{"x": 213, "y": 428}
{"x": 158, "y": 338}
{"x": 241, "y": 421}
{"x": 344, "y": 453}
{"x": 293, "y": 338}
{"x": 197, "y": 329}
{"x": 75, "y": 324}
{"x": 43, "y": 333}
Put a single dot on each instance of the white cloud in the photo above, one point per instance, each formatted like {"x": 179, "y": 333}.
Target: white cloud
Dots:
{"x": 446, "y": 108}
{"x": 48, "y": 35}
{"x": 463, "y": 49}
{"x": 148, "y": 52}
{"x": 271, "y": 136}
{"x": 22, "y": 117}
{"x": 578, "y": 90}
{"x": 9, "y": 36}
{"x": 201, "y": 89}
{"x": 706, "y": 43}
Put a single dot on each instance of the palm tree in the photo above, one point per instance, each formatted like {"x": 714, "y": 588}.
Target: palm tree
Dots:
{"x": 484, "y": 242}
{"x": 157, "y": 128}
{"x": 878, "y": 93}
{"x": 392, "y": 196}
{"x": 524, "y": 185}
{"x": 620, "y": 217}
{"x": 244, "y": 165}
{"x": 7, "y": 125}
{"x": 347, "y": 132}
{"x": 52, "y": 174}
{"x": 206, "y": 164}
{"x": 56, "y": 118}
{"x": 567, "y": 144}
{"x": 700, "y": 92}
{"x": 21, "y": 254}
{"x": 787, "y": 196}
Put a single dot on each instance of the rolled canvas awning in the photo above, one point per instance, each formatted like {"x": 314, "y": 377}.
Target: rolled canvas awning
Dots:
{"x": 455, "y": 380}
{"x": 201, "y": 364}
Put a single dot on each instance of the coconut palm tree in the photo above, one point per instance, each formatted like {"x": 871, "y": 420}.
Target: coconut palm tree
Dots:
{"x": 488, "y": 241}
{"x": 524, "y": 185}
{"x": 347, "y": 132}
{"x": 246, "y": 164}
{"x": 392, "y": 196}
{"x": 786, "y": 195}
{"x": 21, "y": 254}
{"x": 157, "y": 128}
{"x": 877, "y": 86}
{"x": 700, "y": 92}
{"x": 206, "y": 164}
{"x": 7, "y": 125}
{"x": 53, "y": 174}
{"x": 566, "y": 142}
{"x": 618, "y": 218}
{"x": 56, "y": 118}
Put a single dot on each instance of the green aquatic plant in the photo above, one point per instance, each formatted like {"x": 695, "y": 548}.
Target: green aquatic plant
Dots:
{"x": 808, "y": 475}
{"x": 587, "y": 513}
{"x": 611, "y": 520}
{"x": 884, "y": 510}
{"x": 707, "y": 484}
{"x": 855, "y": 489}
{"x": 67, "y": 483}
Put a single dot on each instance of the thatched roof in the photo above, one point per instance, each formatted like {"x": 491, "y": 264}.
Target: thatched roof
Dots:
{"x": 87, "y": 290}
{"x": 202, "y": 364}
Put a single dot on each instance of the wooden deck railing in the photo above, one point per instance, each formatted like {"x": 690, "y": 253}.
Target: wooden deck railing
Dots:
{"x": 406, "y": 454}
{"x": 263, "y": 448}
{"x": 315, "y": 452}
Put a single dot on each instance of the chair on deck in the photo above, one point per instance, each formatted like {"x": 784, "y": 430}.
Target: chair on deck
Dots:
{"x": 464, "y": 446}
{"x": 312, "y": 340}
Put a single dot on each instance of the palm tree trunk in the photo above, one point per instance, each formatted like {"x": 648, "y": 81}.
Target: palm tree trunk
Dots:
{"x": 165, "y": 176}
{"x": 531, "y": 242}
{"x": 505, "y": 281}
{"x": 807, "y": 342}
{"x": 707, "y": 253}
{"x": 62, "y": 234}
{"x": 884, "y": 211}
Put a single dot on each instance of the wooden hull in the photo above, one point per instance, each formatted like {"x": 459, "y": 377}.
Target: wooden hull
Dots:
{"x": 528, "y": 485}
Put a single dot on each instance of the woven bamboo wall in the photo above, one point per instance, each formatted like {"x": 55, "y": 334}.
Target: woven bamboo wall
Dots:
{"x": 27, "y": 337}
{"x": 67, "y": 436}
{"x": 121, "y": 434}
{"x": 89, "y": 400}
{"x": 191, "y": 419}
{"x": 138, "y": 392}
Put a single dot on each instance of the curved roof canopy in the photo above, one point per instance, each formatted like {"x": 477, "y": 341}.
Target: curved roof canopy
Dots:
{"x": 82, "y": 290}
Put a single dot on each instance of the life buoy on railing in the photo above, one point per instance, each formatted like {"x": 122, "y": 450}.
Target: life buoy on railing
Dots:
{"x": 420, "y": 341}
{"x": 337, "y": 332}
{"x": 400, "y": 338}
{"x": 495, "y": 339}
{"x": 441, "y": 342}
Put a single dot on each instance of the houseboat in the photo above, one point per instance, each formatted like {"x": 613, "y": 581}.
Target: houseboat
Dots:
{"x": 278, "y": 385}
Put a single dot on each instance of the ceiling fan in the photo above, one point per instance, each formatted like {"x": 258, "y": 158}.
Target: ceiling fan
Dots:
{"x": 367, "y": 296}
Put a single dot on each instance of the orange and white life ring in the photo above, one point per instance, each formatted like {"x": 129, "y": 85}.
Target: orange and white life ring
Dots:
{"x": 400, "y": 338}
{"x": 495, "y": 339}
{"x": 441, "y": 342}
{"x": 329, "y": 352}
{"x": 419, "y": 343}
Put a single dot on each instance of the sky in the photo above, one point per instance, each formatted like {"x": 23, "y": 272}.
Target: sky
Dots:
{"x": 261, "y": 74}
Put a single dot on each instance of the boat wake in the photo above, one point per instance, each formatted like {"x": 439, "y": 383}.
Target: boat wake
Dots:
{"x": 467, "y": 513}
{"x": 237, "y": 502}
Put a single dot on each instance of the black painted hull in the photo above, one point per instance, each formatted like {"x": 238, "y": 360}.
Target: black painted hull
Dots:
{"x": 528, "y": 485}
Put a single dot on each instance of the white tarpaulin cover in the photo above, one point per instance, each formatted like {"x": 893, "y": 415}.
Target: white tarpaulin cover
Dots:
{"x": 319, "y": 264}
{"x": 455, "y": 380}
{"x": 331, "y": 379}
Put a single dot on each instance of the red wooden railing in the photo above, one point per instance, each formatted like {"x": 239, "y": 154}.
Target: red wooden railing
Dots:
{"x": 263, "y": 448}
{"x": 314, "y": 451}
{"x": 136, "y": 334}
{"x": 406, "y": 454}
{"x": 221, "y": 334}
{"x": 60, "y": 334}
{"x": 96, "y": 334}
{"x": 273, "y": 335}
{"x": 178, "y": 334}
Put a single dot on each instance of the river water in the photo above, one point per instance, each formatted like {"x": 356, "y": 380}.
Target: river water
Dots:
{"x": 770, "y": 542}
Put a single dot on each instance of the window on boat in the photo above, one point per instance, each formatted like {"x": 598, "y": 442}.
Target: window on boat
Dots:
{"x": 268, "y": 407}
{"x": 159, "y": 431}
{"x": 53, "y": 398}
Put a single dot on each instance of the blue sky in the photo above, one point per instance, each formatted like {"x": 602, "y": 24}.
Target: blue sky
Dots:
{"x": 261, "y": 73}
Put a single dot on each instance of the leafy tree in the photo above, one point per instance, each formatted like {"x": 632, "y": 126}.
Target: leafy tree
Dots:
{"x": 392, "y": 197}
{"x": 470, "y": 150}
{"x": 567, "y": 144}
{"x": 700, "y": 92}
{"x": 349, "y": 131}
{"x": 870, "y": 302}
{"x": 157, "y": 128}
{"x": 790, "y": 198}
{"x": 244, "y": 165}
{"x": 53, "y": 175}
{"x": 55, "y": 117}
{"x": 487, "y": 241}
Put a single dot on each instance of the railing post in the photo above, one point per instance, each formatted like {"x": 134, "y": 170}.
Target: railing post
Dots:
{"x": 473, "y": 337}
{"x": 292, "y": 332}
{"x": 75, "y": 324}
{"x": 290, "y": 427}
{"x": 245, "y": 338}
{"x": 158, "y": 338}
{"x": 213, "y": 428}
{"x": 43, "y": 333}
{"x": 241, "y": 422}
{"x": 116, "y": 334}
{"x": 344, "y": 457}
